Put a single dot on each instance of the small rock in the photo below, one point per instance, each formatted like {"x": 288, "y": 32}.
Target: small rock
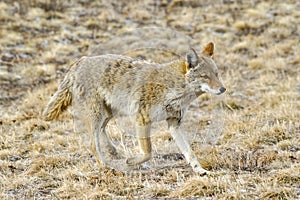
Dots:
{"x": 6, "y": 76}
{"x": 7, "y": 57}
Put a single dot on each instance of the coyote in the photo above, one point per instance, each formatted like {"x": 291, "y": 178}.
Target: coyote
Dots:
{"x": 99, "y": 87}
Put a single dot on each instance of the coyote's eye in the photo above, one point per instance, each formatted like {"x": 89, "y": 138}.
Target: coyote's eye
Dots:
{"x": 204, "y": 76}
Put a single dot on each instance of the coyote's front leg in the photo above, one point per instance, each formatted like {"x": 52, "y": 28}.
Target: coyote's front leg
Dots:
{"x": 143, "y": 136}
{"x": 182, "y": 143}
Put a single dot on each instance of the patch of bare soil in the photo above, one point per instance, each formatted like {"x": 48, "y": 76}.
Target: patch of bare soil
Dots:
{"x": 250, "y": 137}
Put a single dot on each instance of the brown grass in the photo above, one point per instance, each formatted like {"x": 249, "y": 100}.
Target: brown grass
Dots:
{"x": 250, "y": 137}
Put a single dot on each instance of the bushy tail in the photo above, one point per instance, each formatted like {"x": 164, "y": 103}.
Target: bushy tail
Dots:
{"x": 62, "y": 97}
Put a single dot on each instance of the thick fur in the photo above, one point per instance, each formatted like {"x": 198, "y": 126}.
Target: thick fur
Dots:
{"x": 101, "y": 86}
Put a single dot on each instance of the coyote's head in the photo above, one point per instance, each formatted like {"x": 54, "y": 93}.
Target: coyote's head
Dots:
{"x": 202, "y": 72}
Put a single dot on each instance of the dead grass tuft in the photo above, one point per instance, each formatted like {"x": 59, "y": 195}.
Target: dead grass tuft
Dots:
{"x": 275, "y": 134}
{"x": 200, "y": 187}
{"x": 45, "y": 163}
{"x": 281, "y": 193}
{"x": 289, "y": 178}
{"x": 48, "y": 5}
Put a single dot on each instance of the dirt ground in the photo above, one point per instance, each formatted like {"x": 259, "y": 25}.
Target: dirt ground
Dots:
{"x": 249, "y": 137}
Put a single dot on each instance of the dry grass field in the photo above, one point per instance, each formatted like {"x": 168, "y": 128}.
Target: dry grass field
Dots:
{"x": 250, "y": 136}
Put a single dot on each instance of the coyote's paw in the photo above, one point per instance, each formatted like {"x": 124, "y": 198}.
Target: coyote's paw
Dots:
{"x": 138, "y": 159}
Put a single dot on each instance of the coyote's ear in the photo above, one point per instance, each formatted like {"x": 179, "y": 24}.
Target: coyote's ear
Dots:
{"x": 191, "y": 59}
{"x": 209, "y": 49}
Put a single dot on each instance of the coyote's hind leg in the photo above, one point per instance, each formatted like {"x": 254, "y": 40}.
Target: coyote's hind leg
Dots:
{"x": 93, "y": 117}
{"x": 103, "y": 144}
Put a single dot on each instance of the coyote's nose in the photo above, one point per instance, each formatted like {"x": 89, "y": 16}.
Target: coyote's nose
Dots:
{"x": 222, "y": 89}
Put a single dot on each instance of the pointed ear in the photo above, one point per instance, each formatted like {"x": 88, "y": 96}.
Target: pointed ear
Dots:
{"x": 209, "y": 49}
{"x": 191, "y": 59}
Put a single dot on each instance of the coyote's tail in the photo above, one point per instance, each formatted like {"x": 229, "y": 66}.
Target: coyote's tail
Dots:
{"x": 62, "y": 97}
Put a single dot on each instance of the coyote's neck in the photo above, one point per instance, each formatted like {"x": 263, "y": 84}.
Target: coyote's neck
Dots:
{"x": 180, "y": 94}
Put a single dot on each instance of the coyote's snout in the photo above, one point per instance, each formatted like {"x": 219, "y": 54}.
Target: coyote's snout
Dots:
{"x": 97, "y": 86}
